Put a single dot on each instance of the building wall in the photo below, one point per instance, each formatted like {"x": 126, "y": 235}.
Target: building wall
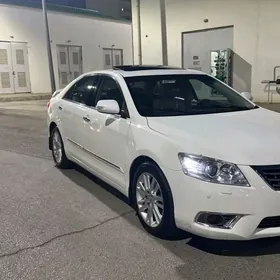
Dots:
{"x": 150, "y": 32}
{"x": 255, "y": 31}
{"x": 21, "y": 24}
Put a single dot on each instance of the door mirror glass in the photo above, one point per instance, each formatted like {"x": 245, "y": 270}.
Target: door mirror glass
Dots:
{"x": 247, "y": 95}
{"x": 108, "y": 107}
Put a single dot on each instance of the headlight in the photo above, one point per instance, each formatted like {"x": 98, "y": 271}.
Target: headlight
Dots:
{"x": 212, "y": 170}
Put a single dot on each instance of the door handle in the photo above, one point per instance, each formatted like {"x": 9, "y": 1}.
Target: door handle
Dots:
{"x": 86, "y": 119}
{"x": 60, "y": 108}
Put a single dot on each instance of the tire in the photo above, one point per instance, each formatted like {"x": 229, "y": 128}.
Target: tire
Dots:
{"x": 61, "y": 160}
{"x": 164, "y": 227}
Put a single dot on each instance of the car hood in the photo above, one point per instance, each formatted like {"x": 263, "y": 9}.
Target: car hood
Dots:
{"x": 246, "y": 137}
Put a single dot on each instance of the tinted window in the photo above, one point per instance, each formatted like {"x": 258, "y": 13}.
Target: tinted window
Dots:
{"x": 172, "y": 95}
{"x": 84, "y": 91}
{"x": 110, "y": 90}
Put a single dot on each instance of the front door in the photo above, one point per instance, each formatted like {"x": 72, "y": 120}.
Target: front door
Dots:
{"x": 6, "y": 69}
{"x": 112, "y": 57}
{"x": 69, "y": 64}
{"x": 14, "y": 69}
{"x": 20, "y": 67}
{"x": 107, "y": 134}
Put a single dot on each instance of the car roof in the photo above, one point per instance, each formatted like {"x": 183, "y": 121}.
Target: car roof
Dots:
{"x": 147, "y": 70}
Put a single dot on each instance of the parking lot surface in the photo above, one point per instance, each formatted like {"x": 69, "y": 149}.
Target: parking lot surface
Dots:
{"x": 70, "y": 225}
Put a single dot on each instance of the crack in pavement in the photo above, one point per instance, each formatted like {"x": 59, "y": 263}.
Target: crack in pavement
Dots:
{"x": 64, "y": 235}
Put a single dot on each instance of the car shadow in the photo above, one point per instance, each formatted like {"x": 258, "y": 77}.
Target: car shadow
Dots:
{"x": 120, "y": 204}
{"x": 258, "y": 247}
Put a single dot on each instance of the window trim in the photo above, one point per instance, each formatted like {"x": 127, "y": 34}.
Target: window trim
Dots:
{"x": 124, "y": 115}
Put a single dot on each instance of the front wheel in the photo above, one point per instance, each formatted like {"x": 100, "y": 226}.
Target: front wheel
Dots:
{"x": 58, "y": 152}
{"x": 152, "y": 199}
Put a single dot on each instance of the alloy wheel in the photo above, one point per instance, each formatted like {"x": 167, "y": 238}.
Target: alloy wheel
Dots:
{"x": 57, "y": 147}
{"x": 149, "y": 199}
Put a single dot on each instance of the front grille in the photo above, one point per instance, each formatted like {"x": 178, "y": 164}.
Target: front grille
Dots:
{"x": 270, "y": 222}
{"x": 271, "y": 174}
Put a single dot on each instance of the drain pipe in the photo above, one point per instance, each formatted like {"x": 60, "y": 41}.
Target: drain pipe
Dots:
{"x": 139, "y": 33}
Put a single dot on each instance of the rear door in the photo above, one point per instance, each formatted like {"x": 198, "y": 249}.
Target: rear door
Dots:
{"x": 75, "y": 107}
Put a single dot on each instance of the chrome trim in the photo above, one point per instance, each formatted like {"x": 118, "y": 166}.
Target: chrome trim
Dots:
{"x": 96, "y": 156}
{"x": 79, "y": 104}
{"x": 229, "y": 225}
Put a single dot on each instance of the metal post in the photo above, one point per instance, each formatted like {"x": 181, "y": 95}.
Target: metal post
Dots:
{"x": 49, "y": 50}
{"x": 163, "y": 32}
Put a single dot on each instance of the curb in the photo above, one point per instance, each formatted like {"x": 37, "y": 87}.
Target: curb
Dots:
{"x": 25, "y": 97}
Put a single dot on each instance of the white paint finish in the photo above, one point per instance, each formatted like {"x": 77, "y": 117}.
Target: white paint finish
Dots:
{"x": 244, "y": 138}
{"x": 151, "y": 32}
{"x": 106, "y": 137}
{"x": 19, "y": 22}
{"x": 69, "y": 63}
{"x": 255, "y": 31}
{"x": 213, "y": 134}
{"x": 6, "y": 68}
{"x": 14, "y": 72}
{"x": 108, "y": 107}
{"x": 135, "y": 32}
{"x": 20, "y": 67}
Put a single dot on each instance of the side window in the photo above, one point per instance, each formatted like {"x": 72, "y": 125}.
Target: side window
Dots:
{"x": 84, "y": 91}
{"x": 110, "y": 90}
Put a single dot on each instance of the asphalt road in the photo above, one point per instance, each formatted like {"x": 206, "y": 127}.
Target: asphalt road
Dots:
{"x": 70, "y": 225}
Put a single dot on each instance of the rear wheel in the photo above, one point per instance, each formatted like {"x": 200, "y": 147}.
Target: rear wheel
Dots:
{"x": 152, "y": 199}
{"x": 58, "y": 152}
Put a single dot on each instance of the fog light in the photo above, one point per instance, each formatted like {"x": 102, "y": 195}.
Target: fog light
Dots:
{"x": 217, "y": 220}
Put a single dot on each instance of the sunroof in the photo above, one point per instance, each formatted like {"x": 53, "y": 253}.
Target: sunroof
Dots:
{"x": 144, "y": 67}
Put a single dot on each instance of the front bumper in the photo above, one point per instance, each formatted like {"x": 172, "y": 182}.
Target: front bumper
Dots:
{"x": 254, "y": 203}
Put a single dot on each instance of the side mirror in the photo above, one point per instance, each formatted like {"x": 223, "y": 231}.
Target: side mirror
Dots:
{"x": 108, "y": 107}
{"x": 247, "y": 95}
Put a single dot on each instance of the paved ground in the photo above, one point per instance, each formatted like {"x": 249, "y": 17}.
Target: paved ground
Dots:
{"x": 69, "y": 225}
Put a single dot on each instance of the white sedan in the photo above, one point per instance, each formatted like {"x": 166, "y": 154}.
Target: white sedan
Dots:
{"x": 187, "y": 150}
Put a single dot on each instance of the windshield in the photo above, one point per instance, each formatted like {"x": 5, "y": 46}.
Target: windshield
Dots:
{"x": 173, "y": 95}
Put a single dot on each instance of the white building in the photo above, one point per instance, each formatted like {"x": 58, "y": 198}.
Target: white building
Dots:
{"x": 249, "y": 27}
{"x": 81, "y": 40}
